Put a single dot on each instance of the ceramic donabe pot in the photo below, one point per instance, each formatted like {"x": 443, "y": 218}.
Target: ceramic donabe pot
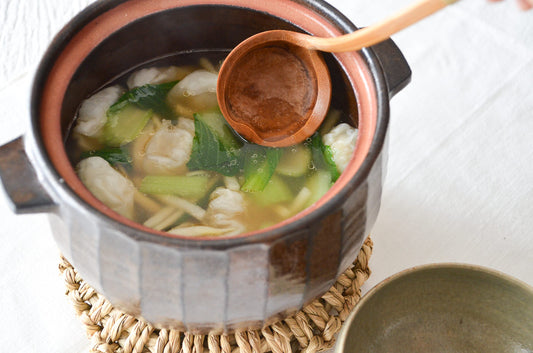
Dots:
{"x": 201, "y": 285}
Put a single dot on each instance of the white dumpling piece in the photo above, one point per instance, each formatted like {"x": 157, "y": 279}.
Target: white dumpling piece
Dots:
{"x": 92, "y": 114}
{"x": 198, "y": 82}
{"x": 154, "y": 75}
{"x": 169, "y": 149}
{"x": 341, "y": 139}
{"x": 196, "y": 91}
{"x": 108, "y": 185}
{"x": 225, "y": 210}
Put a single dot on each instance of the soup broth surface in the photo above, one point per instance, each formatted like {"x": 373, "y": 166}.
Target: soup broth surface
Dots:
{"x": 153, "y": 146}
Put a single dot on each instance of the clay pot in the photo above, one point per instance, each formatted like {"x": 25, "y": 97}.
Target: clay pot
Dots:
{"x": 201, "y": 285}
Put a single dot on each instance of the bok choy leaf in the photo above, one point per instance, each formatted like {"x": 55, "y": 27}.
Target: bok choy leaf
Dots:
{"x": 193, "y": 187}
{"x": 146, "y": 97}
{"x": 323, "y": 156}
{"x": 113, "y": 156}
{"x": 215, "y": 146}
{"x": 259, "y": 165}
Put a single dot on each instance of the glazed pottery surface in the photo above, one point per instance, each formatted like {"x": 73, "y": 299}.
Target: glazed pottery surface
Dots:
{"x": 201, "y": 285}
{"x": 442, "y": 308}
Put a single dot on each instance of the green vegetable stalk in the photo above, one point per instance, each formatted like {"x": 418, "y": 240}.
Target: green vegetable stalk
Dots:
{"x": 323, "y": 156}
{"x": 259, "y": 165}
{"x": 190, "y": 187}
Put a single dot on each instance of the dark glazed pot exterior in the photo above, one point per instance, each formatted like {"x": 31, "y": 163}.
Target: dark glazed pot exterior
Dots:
{"x": 205, "y": 285}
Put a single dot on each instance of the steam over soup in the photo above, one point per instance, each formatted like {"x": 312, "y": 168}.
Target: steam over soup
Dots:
{"x": 157, "y": 150}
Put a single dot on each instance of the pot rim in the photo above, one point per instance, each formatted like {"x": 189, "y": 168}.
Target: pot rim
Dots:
{"x": 57, "y": 184}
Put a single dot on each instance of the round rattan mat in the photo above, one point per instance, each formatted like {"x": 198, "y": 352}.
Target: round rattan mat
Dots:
{"x": 310, "y": 330}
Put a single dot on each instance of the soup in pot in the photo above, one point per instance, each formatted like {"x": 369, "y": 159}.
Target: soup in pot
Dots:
{"x": 154, "y": 147}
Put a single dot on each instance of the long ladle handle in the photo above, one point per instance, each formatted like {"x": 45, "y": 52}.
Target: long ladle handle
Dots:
{"x": 380, "y": 31}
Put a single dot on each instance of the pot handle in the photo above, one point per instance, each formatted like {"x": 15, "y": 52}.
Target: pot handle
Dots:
{"x": 20, "y": 181}
{"x": 396, "y": 69}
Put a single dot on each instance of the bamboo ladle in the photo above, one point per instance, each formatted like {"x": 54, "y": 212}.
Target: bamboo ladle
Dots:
{"x": 274, "y": 88}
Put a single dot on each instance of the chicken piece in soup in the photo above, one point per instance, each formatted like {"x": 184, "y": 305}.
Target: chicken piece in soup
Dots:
{"x": 157, "y": 150}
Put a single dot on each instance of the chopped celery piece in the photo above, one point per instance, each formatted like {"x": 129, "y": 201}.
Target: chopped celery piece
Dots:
{"x": 275, "y": 191}
{"x": 259, "y": 165}
{"x": 213, "y": 183}
{"x": 318, "y": 183}
{"x": 323, "y": 156}
{"x": 190, "y": 187}
{"x": 124, "y": 125}
{"x": 146, "y": 97}
{"x": 295, "y": 161}
{"x": 215, "y": 147}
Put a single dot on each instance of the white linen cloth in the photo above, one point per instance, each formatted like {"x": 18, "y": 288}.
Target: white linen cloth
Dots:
{"x": 459, "y": 186}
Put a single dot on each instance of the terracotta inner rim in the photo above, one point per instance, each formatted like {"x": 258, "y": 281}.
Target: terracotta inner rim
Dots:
{"x": 107, "y": 23}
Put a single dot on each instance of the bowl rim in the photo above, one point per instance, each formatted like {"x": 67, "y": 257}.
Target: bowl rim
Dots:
{"x": 67, "y": 194}
{"x": 458, "y": 266}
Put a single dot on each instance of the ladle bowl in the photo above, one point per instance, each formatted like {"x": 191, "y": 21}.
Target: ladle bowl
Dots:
{"x": 279, "y": 101}
{"x": 274, "y": 88}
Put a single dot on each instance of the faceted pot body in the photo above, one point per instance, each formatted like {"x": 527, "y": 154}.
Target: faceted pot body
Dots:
{"x": 200, "y": 285}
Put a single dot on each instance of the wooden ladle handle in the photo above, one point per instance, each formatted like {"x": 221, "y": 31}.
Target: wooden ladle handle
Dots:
{"x": 378, "y": 32}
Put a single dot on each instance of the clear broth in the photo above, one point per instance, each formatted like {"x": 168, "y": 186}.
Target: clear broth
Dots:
{"x": 256, "y": 215}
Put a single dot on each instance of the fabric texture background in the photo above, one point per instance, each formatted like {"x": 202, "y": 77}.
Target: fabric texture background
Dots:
{"x": 459, "y": 186}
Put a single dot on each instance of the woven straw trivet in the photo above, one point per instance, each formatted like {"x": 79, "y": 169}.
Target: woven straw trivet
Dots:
{"x": 310, "y": 330}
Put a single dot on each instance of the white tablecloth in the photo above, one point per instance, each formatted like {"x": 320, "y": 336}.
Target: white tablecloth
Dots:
{"x": 459, "y": 186}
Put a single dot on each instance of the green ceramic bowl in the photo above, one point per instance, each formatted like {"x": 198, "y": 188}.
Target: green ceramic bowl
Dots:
{"x": 442, "y": 308}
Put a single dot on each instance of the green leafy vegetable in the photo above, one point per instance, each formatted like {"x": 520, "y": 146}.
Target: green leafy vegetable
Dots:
{"x": 323, "y": 156}
{"x": 318, "y": 183}
{"x": 295, "y": 161}
{"x": 146, "y": 97}
{"x": 218, "y": 125}
{"x": 275, "y": 191}
{"x": 113, "y": 156}
{"x": 193, "y": 187}
{"x": 215, "y": 146}
{"x": 124, "y": 125}
{"x": 259, "y": 165}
